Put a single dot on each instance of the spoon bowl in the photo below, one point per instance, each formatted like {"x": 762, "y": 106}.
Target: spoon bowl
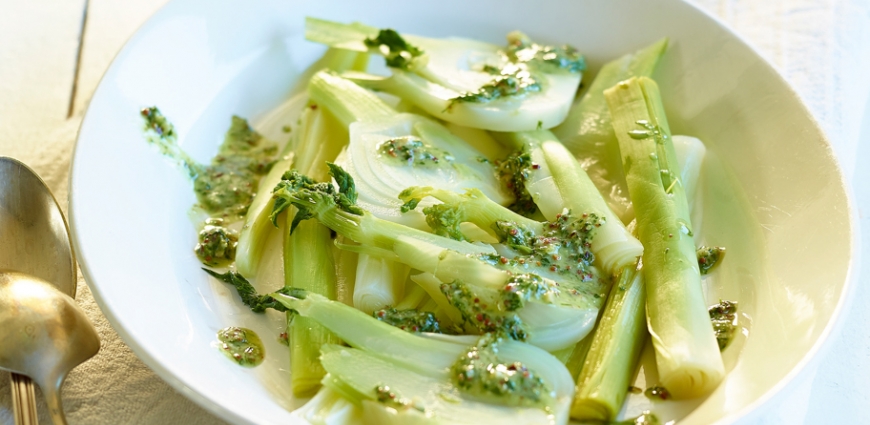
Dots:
{"x": 45, "y": 334}
{"x": 33, "y": 231}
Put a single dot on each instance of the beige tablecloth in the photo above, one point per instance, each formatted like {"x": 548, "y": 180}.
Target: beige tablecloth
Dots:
{"x": 822, "y": 48}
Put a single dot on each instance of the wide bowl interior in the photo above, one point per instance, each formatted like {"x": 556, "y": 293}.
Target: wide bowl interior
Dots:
{"x": 784, "y": 212}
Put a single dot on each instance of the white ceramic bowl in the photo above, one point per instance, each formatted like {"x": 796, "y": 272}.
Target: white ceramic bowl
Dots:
{"x": 790, "y": 249}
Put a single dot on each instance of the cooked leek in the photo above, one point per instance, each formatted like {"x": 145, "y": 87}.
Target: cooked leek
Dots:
{"x": 687, "y": 355}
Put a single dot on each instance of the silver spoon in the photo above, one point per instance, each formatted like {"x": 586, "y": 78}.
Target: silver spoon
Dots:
{"x": 45, "y": 335}
{"x": 34, "y": 242}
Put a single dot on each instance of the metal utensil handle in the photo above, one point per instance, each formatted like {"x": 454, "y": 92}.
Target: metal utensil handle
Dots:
{"x": 23, "y": 400}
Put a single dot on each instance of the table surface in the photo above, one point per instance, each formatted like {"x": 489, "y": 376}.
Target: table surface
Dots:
{"x": 821, "y": 47}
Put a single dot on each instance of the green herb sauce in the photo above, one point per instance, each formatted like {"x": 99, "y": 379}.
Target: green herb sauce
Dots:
{"x": 563, "y": 248}
{"x": 217, "y": 244}
{"x": 559, "y": 254}
{"x": 724, "y": 318}
{"x": 397, "y": 52}
{"x": 518, "y": 76}
{"x": 226, "y": 187}
{"x": 709, "y": 258}
{"x": 241, "y": 345}
{"x": 521, "y": 49}
{"x": 443, "y": 219}
{"x": 410, "y": 150}
{"x": 514, "y": 172}
{"x": 658, "y": 392}
{"x": 512, "y": 81}
{"x": 526, "y": 287}
{"x": 409, "y": 320}
{"x": 481, "y": 373}
{"x": 482, "y": 312}
{"x": 161, "y": 133}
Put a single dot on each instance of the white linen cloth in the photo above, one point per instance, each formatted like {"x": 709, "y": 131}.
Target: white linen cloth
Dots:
{"x": 821, "y": 47}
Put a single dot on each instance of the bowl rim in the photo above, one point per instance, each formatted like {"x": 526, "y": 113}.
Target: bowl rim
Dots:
{"x": 852, "y": 273}
{"x": 821, "y": 344}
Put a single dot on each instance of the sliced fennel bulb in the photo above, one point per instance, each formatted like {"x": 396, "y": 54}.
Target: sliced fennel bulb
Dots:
{"x": 447, "y": 77}
{"x": 420, "y": 370}
{"x": 381, "y": 177}
{"x": 545, "y": 109}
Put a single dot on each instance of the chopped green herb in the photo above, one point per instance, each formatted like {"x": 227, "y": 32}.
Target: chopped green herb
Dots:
{"x": 525, "y": 287}
{"x": 483, "y": 314}
{"x": 444, "y": 220}
{"x": 412, "y": 151}
{"x": 241, "y": 345}
{"x": 156, "y": 122}
{"x": 397, "y": 52}
{"x": 217, "y": 244}
{"x": 225, "y": 188}
{"x": 563, "y": 247}
{"x": 409, "y": 320}
{"x": 546, "y": 58}
{"x": 724, "y": 318}
{"x": 225, "y": 191}
{"x": 512, "y": 81}
{"x": 480, "y": 372}
{"x": 161, "y": 133}
{"x": 257, "y": 303}
{"x": 410, "y": 205}
{"x": 514, "y": 173}
{"x": 658, "y": 392}
{"x": 709, "y": 258}
{"x": 518, "y": 76}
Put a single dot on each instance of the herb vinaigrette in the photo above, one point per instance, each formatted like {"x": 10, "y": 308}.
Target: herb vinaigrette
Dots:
{"x": 411, "y": 320}
{"x": 483, "y": 313}
{"x": 563, "y": 249}
{"x": 519, "y": 75}
{"x": 241, "y": 345}
{"x": 709, "y": 258}
{"x": 480, "y": 372}
{"x": 397, "y": 52}
{"x": 724, "y": 319}
{"x": 514, "y": 172}
{"x": 410, "y": 150}
{"x": 226, "y": 187}
{"x": 217, "y": 244}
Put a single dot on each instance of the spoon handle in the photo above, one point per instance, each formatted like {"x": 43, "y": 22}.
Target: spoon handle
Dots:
{"x": 23, "y": 400}
{"x": 51, "y": 393}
